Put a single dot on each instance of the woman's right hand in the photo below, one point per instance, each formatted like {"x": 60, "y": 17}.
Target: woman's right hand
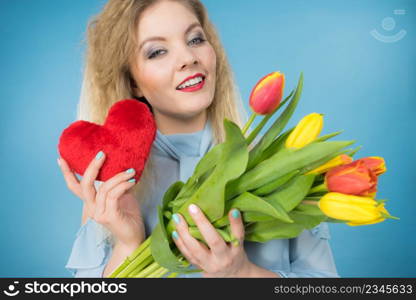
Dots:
{"x": 113, "y": 204}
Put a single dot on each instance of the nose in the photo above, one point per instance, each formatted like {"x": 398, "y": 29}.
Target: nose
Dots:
{"x": 187, "y": 58}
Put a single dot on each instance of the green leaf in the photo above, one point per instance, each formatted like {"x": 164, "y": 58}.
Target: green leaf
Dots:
{"x": 232, "y": 163}
{"x": 161, "y": 251}
{"x": 247, "y": 202}
{"x": 327, "y": 136}
{"x": 354, "y": 151}
{"x": 265, "y": 231}
{"x": 250, "y": 217}
{"x": 304, "y": 216}
{"x": 171, "y": 193}
{"x": 308, "y": 216}
{"x": 290, "y": 195}
{"x": 275, "y": 147}
{"x": 283, "y": 162}
{"x": 203, "y": 169}
{"x": 273, "y": 185}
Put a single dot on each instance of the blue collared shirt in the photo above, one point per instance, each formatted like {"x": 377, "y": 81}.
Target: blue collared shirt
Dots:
{"x": 175, "y": 156}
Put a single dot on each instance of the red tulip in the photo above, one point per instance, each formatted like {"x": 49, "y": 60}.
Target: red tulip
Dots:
{"x": 375, "y": 164}
{"x": 267, "y": 94}
{"x": 354, "y": 179}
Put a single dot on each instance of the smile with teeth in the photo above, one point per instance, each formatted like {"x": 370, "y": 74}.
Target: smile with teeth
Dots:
{"x": 190, "y": 82}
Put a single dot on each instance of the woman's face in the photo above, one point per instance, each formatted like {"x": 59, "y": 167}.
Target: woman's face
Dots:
{"x": 172, "y": 49}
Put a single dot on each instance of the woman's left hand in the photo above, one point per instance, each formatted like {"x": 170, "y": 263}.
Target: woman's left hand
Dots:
{"x": 221, "y": 259}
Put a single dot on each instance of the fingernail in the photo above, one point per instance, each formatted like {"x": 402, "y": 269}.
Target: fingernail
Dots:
{"x": 193, "y": 209}
{"x": 175, "y": 235}
{"x": 132, "y": 180}
{"x": 131, "y": 170}
{"x": 59, "y": 161}
{"x": 99, "y": 155}
{"x": 176, "y": 218}
{"x": 235, "y": 213}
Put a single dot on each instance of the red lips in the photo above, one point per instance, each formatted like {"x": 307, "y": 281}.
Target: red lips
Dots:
{"x": 191, "y": 77}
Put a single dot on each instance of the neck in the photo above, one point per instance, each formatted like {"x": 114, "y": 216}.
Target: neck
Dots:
{"x": 171, "y": 125}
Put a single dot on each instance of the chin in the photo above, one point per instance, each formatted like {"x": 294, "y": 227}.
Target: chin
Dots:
{"x": 193, "y": 109}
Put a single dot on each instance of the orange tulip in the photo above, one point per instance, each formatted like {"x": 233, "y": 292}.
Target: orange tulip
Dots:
{"x": 267, "y": 94}
{"x": 375, "y": 164}
{"x": 354, "y": 179}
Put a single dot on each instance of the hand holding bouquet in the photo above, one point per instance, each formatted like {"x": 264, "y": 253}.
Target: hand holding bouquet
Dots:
{"x": 284, "y": 183}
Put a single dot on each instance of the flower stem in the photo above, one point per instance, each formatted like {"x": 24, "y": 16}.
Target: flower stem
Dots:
{"x": 130, "y": 258}
{"x": 149, "y": 270}
{"x": 252, "y": 117}
{"x": 143, "y": 265}
{"x": 318, "y": 189}
{"x": 138, "y": 261}
{"x": 160, "y": 273}
{"x": 173, "y": 275}
{"x": 310, "y": 202}
{"x": 259, "y": 127}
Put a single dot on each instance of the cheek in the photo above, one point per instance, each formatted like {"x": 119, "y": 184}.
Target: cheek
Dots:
{"x": 153, "y": 78}
{"x": 211, "y": 59}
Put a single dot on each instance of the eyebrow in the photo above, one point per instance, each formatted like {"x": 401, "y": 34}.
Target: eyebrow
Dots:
{"x": 159, "y": 38}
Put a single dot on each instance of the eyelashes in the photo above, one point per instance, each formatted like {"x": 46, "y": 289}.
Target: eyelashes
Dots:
{"x": 199, "y": 38}
{"x": 154, "y": 54}
{"x": 195, "y": 41}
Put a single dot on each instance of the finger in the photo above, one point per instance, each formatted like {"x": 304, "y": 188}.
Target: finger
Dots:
{"x": 237, "y": 227}
{"x": 215, "y": 242}
{"x": 199, "y": 251}
{"x": 113, "y": 196}
{"x": 90, "y": 174}
{"x": 71, "y": 180}
{"x": 109, "y": 185}
{"x": 185, "y": 251}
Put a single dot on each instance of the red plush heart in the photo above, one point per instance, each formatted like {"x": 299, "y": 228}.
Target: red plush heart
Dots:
{"x": 126, "y": 138}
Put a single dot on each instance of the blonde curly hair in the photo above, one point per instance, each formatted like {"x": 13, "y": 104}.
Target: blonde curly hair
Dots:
{"x": 111, "y": 46}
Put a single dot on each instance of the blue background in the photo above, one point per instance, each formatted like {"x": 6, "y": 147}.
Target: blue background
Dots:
{"x": 361, "y": 84}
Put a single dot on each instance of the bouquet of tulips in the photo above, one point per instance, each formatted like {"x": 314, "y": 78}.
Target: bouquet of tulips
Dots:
{"x": 286, "y": 182}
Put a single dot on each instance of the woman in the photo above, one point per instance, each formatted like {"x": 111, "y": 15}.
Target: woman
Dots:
{"x": 167, "y": 54}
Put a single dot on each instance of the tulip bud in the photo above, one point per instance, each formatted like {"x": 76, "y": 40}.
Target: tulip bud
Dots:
{"x": 267, "y": 94}
{"x": 375, "y": 164}
{"x": 339, "y": 160}
{"x": 307, "y": 130}
{"x": 354, "y": 209}
{"x": 353, "y": 178}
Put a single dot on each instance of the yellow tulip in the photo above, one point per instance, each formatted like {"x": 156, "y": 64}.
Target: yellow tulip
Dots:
{"x": 356, "y": 210}
{"x": 307, "y": 130}
{"x": 335, "y": 162}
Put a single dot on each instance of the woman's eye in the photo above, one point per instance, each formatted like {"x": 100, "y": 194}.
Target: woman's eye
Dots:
{"x": 194, "y": 41}
{"x": 155, "y": 53}
{"x": 197, "y": 40}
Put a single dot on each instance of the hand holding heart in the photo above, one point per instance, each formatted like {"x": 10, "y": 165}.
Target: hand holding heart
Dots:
{"x": 122, "y": 143}
{"x": 112, "y": 205}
